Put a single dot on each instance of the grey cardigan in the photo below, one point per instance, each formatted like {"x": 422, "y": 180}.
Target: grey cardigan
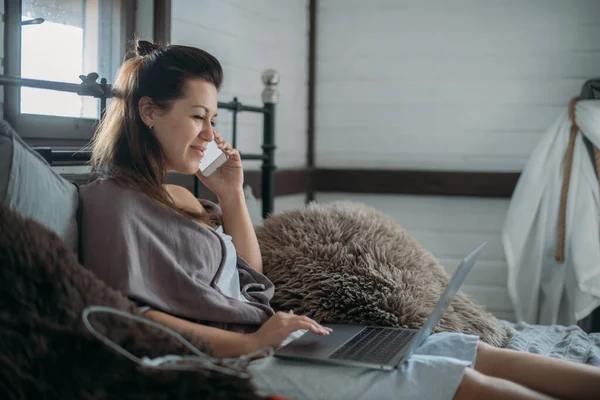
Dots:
{"x": 159, "y": 258}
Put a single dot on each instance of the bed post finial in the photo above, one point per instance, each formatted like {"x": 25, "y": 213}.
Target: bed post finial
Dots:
{"x": 271, "y": 79}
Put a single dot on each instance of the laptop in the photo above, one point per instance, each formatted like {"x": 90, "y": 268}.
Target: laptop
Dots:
{"x": 373, "y": 346}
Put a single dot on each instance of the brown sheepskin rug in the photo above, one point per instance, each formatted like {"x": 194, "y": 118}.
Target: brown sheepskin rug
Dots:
{"x": 348, "y": 263}
{"x": 47, "y": 353}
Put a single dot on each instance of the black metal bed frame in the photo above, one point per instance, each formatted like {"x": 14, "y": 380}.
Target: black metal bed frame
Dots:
{"x": 102, "y": 90}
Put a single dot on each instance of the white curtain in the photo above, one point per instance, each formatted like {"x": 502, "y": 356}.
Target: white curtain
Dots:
{"x": 543, "y": 290}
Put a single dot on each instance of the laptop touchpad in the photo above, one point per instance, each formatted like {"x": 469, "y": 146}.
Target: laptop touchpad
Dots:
{"x": 311, "y": 345}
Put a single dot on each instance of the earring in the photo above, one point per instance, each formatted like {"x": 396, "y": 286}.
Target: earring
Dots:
{"x": 150, "y": 127}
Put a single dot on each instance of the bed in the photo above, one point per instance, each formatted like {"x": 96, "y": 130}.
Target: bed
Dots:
{"x": 556, "y": 341}
{"x": 560, "y": 342}
{"x": 564, "y": 342}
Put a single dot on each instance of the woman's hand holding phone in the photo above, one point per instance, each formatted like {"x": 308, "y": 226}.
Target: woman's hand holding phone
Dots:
{"x": 228, "y": 178}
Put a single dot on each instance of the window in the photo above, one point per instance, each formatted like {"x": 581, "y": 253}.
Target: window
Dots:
{"x": 54, "y": 50}
{"x": 58, "y": 40}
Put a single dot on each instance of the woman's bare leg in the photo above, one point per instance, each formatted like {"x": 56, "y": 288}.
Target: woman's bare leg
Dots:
{"x": 475, "y": 385}
{"x": 559, "y": 378}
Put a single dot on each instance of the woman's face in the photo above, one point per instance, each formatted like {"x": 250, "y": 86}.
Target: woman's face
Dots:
{"x": 185, "y": 130}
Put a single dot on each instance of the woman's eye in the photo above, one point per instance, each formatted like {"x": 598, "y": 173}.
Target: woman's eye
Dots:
{"x": 213, "y": 123}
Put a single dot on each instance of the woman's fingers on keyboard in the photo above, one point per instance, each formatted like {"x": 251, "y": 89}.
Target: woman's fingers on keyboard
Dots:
{"x": 321, "y": 328}
{"x": 312, "y": 326}
{"x": 312, "y": 323}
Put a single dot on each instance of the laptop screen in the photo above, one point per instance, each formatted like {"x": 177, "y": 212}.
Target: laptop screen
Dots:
{"x": 455, "y": 283}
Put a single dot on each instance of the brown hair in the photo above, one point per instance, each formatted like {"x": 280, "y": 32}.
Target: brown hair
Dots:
{"x": 124, "y": 148}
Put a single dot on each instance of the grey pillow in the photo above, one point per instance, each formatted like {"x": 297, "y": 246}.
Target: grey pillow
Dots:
{"x": 31, "y": 187}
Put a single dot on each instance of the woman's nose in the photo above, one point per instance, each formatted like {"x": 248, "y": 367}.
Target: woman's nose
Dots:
{"x": 207, "y": 134}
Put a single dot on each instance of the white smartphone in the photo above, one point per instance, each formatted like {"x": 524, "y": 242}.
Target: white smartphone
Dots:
{"x": 213, "y": 159}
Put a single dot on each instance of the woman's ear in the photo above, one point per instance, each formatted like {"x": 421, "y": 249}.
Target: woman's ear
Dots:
{"x": 147, "y": 111}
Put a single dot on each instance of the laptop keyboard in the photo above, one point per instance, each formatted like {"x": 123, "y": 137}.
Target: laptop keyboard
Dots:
{"x": 374, "y": 345}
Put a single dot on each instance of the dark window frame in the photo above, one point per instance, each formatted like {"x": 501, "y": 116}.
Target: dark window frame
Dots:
{"x": 162, "y": 21}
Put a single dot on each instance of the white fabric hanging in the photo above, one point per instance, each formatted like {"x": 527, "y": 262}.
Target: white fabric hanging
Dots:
{"x": 542, "y": 289}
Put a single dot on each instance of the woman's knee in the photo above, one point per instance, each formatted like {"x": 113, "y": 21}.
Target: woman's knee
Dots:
{"x": 485, "y": 358}
{"x": 475, "y": 385}
{"x": 470, "y": 386}
{"x": 483, "y": 349}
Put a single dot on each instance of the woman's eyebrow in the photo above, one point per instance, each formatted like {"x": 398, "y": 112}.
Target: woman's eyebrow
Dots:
{"x": 204, "y": 107}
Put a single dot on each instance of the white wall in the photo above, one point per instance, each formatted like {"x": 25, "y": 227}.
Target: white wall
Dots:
{"x": 435, "y": 84}
{"x": 248, "y": 38}
{"x": 448, "y": 85}
{"x": 144, "y": 20}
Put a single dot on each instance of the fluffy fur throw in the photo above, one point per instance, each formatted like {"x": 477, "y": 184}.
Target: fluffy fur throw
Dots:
{"x": 346, "y": 262}
{"x": 47, "y": 353}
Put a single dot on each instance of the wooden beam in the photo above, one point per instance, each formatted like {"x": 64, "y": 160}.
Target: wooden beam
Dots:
{"x": 287, "y": 182}
{"x": 162, "y": 21}
{"x": 435, "y": 183}
{"x": 439, "y": 183}
{"x": 312, "y": 61}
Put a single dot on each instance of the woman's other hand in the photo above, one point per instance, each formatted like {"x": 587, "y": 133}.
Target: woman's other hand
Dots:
{"x": 273, "y": 332}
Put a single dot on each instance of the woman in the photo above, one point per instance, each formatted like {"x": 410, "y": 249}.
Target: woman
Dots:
{"x": 166, "y": 250}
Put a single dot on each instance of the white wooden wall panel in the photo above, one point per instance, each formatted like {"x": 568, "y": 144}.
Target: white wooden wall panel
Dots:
{"x": 456, "y": 85}
{"x": 248, "y": 38}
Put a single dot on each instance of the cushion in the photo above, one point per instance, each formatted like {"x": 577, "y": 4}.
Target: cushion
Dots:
{"x": 47, "y": 353}
{"x": 29, "y": 185}
{"x": 349, "y": 263}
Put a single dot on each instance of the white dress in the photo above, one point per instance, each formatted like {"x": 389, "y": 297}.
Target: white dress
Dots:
{"x": 229, "y": 279}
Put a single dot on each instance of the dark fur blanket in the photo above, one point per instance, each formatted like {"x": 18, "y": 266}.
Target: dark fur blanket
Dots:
{"x": 45, "y": 350}
{"x": 346, "y": 262}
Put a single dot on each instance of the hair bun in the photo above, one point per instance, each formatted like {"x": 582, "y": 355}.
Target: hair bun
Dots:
{"x": 145, "y": 48}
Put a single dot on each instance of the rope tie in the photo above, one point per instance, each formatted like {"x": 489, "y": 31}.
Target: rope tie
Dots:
{"x": 597, "y": 162}
{"x": 564, "y": 193}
